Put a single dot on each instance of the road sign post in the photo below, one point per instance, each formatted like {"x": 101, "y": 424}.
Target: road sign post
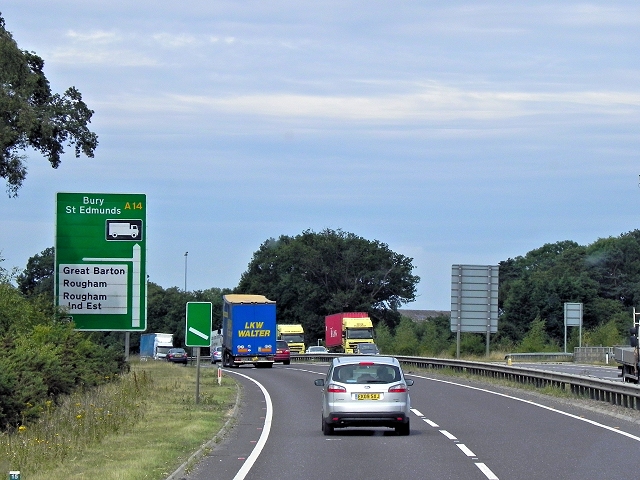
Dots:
{"x": 100, "y": 264}
{"x": 198, "y": 333}
{"x": 198, "y": 329}
{"x": 572, "y": 318}
{"x": 474, "y": 301}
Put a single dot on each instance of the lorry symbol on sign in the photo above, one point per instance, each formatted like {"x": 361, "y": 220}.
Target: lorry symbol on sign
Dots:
{"x": 123, "y": 230}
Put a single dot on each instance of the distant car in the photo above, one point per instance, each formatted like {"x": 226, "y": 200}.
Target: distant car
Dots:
{"x": 283, "y": 354}
{"x": 177, "y": 355}
{"x": 317, "y": 349}
{"x": 216, "y": 355}
{"x": 365, "y": 391}
{"x": 366, "y": 349}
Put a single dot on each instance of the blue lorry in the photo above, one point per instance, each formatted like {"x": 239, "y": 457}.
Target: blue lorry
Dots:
{"x": 248, "y": 331}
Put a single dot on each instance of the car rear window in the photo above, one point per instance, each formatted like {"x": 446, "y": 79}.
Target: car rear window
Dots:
{"x": 370, "y": 373}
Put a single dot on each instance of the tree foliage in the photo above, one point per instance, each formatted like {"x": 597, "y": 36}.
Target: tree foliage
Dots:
{"x": 37, "y": 278}
{"x": 313, "y": 275}
{"x": 166, "y": 310}
{"x": 31, "y": 116}
{"x": 604, "y": 276}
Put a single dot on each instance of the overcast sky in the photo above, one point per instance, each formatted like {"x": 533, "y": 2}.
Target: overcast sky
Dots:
{"x": 455, "y": 132}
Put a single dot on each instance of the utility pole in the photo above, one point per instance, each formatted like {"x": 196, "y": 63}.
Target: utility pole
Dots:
{"x": 185, "y": 270}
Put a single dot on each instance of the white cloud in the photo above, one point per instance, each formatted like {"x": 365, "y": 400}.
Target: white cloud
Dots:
{"x": 594, "y": 15}
{"x": 101, "y": 56}
{"x": 437, "y": 103}
{"x": 168, "y": 40}
{"x": 98, "y": 36}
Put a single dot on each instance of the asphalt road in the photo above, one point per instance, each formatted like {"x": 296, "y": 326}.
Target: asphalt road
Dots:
{"x": 459, "y": 429}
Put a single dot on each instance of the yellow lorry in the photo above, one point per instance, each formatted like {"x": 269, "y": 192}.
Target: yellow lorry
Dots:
{"x": 293, "y": 335}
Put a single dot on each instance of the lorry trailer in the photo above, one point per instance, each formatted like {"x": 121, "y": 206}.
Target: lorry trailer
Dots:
{"x": 248, "y": 330}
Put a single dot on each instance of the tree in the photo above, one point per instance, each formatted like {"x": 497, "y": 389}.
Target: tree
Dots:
{"x": 536, "y": 339}
{"x": 436, "y": 336}
{"x": 166, "y": 310}
{"x": 32, "y": 116}
{"x": 6, "y": 276}
{"x": 405, "y": 341}
{"x": 316, "y": 274}
{"x": 37, "y": 278}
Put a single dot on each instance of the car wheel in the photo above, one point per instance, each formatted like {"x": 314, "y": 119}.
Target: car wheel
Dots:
{"x": 327, "y": 429}
{"x": 403, "y": 429}
{"x": 287, "y": 362}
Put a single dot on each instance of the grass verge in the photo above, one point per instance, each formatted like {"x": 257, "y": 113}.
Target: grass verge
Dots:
{"x": 142, "y": 426}
{"x": 551, "y": 391}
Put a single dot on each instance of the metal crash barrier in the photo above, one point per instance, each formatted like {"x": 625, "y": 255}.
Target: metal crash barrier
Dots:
{"x": 614, "y": 392}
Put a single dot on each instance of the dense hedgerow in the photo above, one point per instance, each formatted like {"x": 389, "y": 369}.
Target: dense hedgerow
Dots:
{"x": 43, "y": 358}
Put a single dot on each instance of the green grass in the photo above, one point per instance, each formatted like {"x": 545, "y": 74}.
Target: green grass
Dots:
{"x": 144, "y": 425}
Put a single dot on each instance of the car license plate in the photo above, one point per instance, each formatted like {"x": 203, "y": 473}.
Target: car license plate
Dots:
{"x": 368, "y": 396}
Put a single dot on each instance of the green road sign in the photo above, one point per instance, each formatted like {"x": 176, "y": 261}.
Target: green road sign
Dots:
{"x": 198, "y": 330}
{"x": 100, "y": 265}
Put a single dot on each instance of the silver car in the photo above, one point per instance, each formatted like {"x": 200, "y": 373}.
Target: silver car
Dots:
{"x": 368, "y": 391}
{"x": 216, "y": 355}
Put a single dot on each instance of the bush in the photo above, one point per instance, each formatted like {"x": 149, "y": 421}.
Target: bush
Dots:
{"x": 42, "y": 359}
{"x": 536, "y": 339}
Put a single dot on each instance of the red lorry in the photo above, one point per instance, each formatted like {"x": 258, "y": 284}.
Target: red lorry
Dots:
{"x": 343, "y": 331}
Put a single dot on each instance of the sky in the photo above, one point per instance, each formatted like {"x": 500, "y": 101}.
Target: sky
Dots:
{"x": 458, "y": 132}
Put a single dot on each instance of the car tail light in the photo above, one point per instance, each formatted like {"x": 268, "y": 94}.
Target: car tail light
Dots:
{"x": 333, "y": 388}
{"x": 366, "y": 363}
{"x": 400, "y": 388}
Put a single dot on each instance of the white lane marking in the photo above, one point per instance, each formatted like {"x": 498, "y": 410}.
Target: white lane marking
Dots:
{"x": 448, "y": 435}
{"x": 465, "y": 450}
{"x": 483, "y": 468}
{"x": 255, "y": 453}
{"x": 487, "y": 471}
{"x": 529, "y": 402}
